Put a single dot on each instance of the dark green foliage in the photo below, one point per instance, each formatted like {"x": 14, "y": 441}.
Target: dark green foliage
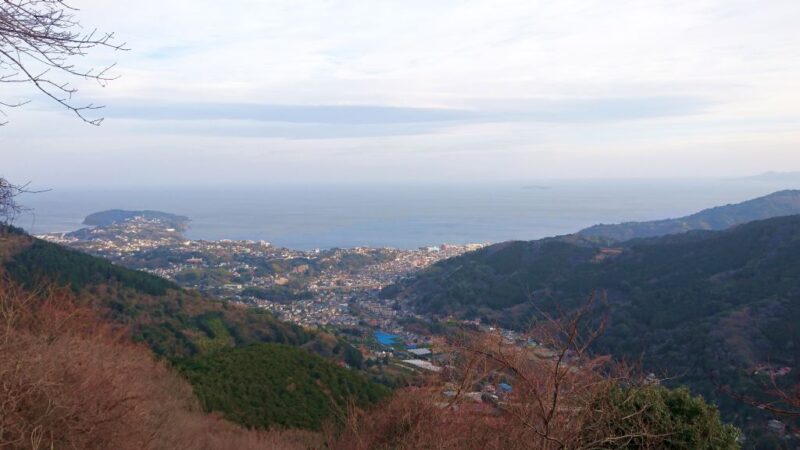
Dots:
{"x": 349, "y": 261}
{"x": 10, "y": 229}
{"x": 702, "y": 307}
{"x": 352, "y": 356}
{"x": 166, "y": 340}
{"x": 281, "y": 294}
{"x": 686, "y": 422}
{"x": 217, "y": 343}
{"x": 105, "y": 218}
{"x": 268, "y": 384}
{"x": 43, "y": 260}
{"x": 173, "y": 322}
{"x": 203, "y": 276}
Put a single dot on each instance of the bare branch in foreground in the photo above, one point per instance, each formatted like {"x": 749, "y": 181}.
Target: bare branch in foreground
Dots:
{"x": 39, "y": 40}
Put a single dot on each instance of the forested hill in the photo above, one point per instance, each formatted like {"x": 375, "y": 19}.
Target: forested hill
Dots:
{"x": 184, "y": 326}
{"x": 692, "y": 305}
{"x": 778, "y": 204}
{"x": 174, "y": 322}
{"x": 112, "y": 216}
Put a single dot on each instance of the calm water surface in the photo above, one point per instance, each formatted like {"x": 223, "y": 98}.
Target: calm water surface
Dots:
{"x": 317, "y": 216}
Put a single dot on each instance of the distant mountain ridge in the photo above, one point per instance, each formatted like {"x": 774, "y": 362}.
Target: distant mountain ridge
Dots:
{"x": 790, "y": 177}
{"x": 778, "y": 204}
{"x": 690, "y": 305}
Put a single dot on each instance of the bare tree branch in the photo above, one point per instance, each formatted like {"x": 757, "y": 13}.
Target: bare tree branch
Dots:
{"x": 39, "y": 39}
{"x": 9, "y": 208}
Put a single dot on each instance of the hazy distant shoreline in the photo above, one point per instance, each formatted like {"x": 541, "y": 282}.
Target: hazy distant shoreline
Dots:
{"x": 308, "y": 217}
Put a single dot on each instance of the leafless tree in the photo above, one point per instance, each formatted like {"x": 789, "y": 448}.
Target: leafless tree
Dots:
{"x": 39, "y": 40}
{"x": 563, "y": 397}
{"x": 560, "y": 398}
{"x": 9, "y": 208}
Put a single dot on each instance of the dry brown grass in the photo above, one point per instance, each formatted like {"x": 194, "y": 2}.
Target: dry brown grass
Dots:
{"x": 70, "y": 380}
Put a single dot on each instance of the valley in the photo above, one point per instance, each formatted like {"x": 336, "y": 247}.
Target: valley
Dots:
{"x": 698, "y": 302}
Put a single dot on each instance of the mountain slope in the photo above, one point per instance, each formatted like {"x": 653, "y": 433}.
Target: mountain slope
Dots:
{"x": 70, "y": 380}
{"x": 782, "y": 203}
{"x": 174, "y": 322}
{"x": 694, "y": 306}
{"x": 184, "y": 326}
{"x": 302, "y": 390}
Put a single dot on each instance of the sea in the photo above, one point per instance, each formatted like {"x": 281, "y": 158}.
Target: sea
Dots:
{"x": 310, "y": 216}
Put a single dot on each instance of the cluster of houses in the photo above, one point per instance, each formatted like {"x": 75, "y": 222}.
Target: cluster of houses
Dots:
{"x": 487, "y": 393}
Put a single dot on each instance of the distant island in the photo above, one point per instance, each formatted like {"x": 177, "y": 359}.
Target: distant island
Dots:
{"x": 119, "y": 225}
{"x": 781, "y": 203}
{"x": 115, "y": 216}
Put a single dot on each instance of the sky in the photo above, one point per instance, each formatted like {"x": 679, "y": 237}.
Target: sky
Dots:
{"x": 262, "y": 92}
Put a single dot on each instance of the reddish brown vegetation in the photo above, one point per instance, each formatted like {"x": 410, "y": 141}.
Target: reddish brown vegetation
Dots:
{"x": 562, "y": 398}
{"x": 70, "y": 380}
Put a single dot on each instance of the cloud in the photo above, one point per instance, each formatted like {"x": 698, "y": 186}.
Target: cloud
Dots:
{"x": 444, "y": 90}
{"x": 247, "y": 128}
{"x": 312, "y": 114}
{"x": 365, "y": 121}
{"x": 601, "y": 109}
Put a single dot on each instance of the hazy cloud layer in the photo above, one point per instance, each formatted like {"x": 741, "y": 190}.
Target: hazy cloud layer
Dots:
{"x": 259, "y": 91}
{"x": 602, "y": 109}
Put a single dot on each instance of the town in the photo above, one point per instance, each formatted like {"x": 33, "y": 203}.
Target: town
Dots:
{"x": 317, "y": 288}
